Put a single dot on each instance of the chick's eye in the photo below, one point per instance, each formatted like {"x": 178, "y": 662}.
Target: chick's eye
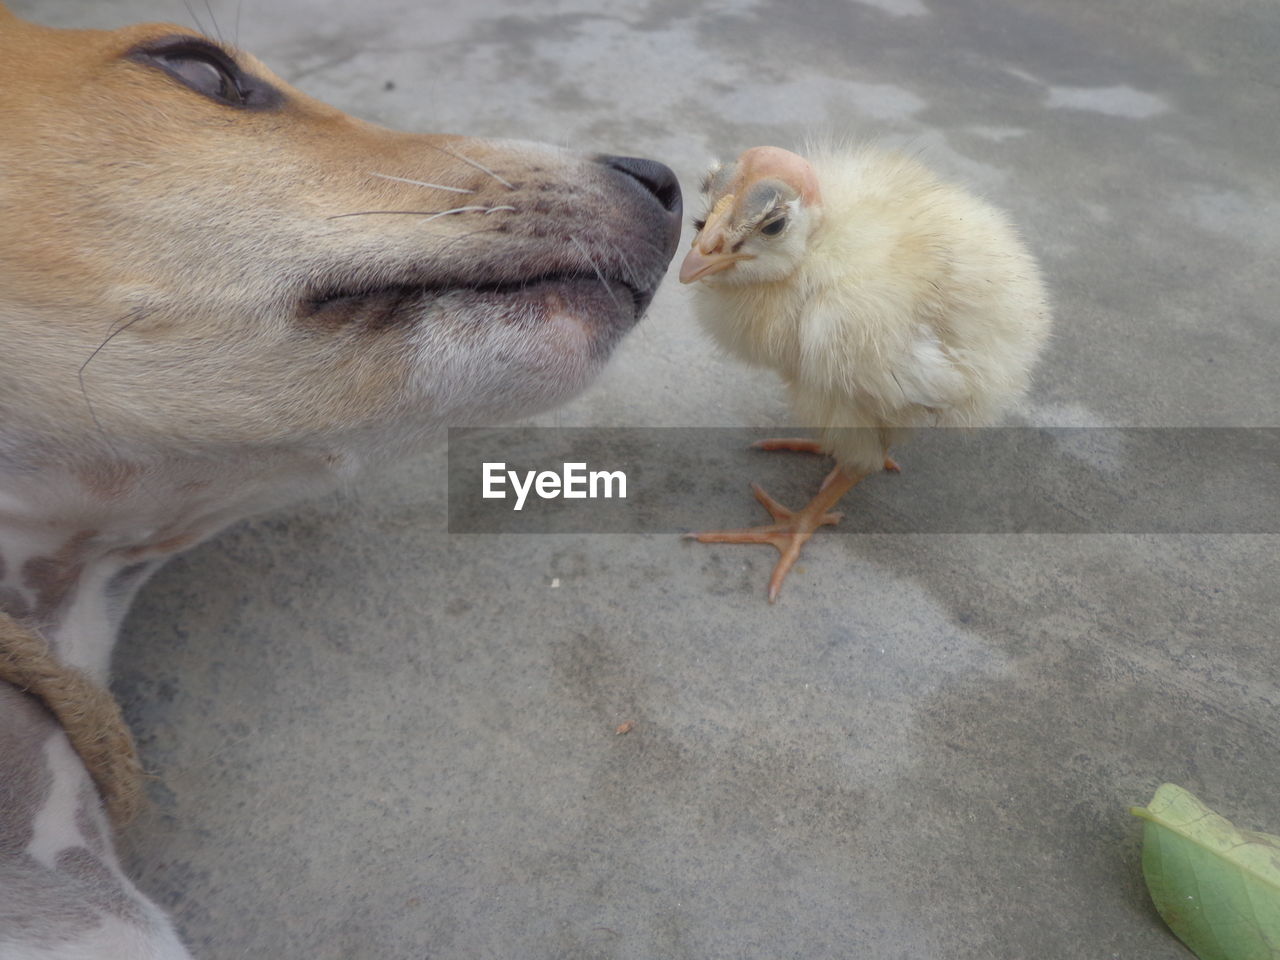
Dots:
{"x": 698, "y": 224}
{"x": 202, "y": 73}
{"x": 774, "y": 227}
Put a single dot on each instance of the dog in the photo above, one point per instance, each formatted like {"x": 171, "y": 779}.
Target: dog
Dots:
{"x": 218, "y": 295}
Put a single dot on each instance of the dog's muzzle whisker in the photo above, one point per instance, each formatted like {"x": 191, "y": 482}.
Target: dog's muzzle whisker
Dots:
{"x": 475, "y": 163}
{"x": 591, "y": 261}
{"x": 429, "y": 214}
{"x": 419, "y": 183}
{"x": 629, "y": 271}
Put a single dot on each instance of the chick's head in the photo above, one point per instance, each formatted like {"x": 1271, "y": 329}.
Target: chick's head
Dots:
{"x": 761, "y": 211}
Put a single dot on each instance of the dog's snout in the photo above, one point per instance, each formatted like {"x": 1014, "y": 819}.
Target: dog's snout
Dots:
{"x": 657, "y": 178}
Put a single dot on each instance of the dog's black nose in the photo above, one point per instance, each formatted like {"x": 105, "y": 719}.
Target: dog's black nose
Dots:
{"x": 657, "y": 178}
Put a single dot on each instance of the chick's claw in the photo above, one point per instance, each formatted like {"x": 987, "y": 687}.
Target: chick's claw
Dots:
{"x": 786, "y": 527}
{"x": 783, "y": 515}
{"x": 791, "y": 529}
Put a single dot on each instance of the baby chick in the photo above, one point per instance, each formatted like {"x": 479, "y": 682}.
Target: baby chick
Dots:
{"x": 885, "y": 298}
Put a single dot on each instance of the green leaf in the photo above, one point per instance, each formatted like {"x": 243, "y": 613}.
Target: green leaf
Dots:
{"x": 1217, "y": 887}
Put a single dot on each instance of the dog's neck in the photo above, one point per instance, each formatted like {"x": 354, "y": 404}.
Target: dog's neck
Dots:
{"x": 67, "y": 588}
{"x": 76, "y": 542}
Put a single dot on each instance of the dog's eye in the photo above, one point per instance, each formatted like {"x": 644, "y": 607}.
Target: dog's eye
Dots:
{"x": 203, "y": 74}
{"x": 208, "y": 70}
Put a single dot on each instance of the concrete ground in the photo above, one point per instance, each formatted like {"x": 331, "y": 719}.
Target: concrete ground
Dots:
{"x": 377, "y": 740}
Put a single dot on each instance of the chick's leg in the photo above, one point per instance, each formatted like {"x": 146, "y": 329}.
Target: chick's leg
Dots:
{"x": 791, "y": 529}
{"x": 801, "y": 445}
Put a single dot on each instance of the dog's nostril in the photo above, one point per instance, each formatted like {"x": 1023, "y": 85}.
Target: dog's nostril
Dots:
{"x": 655, "y": 177}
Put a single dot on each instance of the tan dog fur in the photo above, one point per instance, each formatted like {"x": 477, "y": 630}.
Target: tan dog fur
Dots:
{"x": 209, "y": 310}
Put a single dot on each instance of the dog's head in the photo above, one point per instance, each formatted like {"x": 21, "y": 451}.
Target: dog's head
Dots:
{"x": 193, "y": 253}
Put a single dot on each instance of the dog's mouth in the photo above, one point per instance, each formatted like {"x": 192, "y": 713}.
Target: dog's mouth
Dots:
{"x": 589, "y": 296}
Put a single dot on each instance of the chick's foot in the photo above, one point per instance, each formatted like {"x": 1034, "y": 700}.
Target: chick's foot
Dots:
{"x": 791, "y": 529}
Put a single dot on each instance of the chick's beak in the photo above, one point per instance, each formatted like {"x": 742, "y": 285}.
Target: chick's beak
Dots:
{"x": 708, "y": 255}
{"x": 698, "y": 264}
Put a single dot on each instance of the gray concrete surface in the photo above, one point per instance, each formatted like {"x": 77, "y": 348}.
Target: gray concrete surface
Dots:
{"x": 376, "y": 740}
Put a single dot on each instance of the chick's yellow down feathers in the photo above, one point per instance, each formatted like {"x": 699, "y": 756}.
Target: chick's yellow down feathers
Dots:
{"x": 885, "y": 298}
